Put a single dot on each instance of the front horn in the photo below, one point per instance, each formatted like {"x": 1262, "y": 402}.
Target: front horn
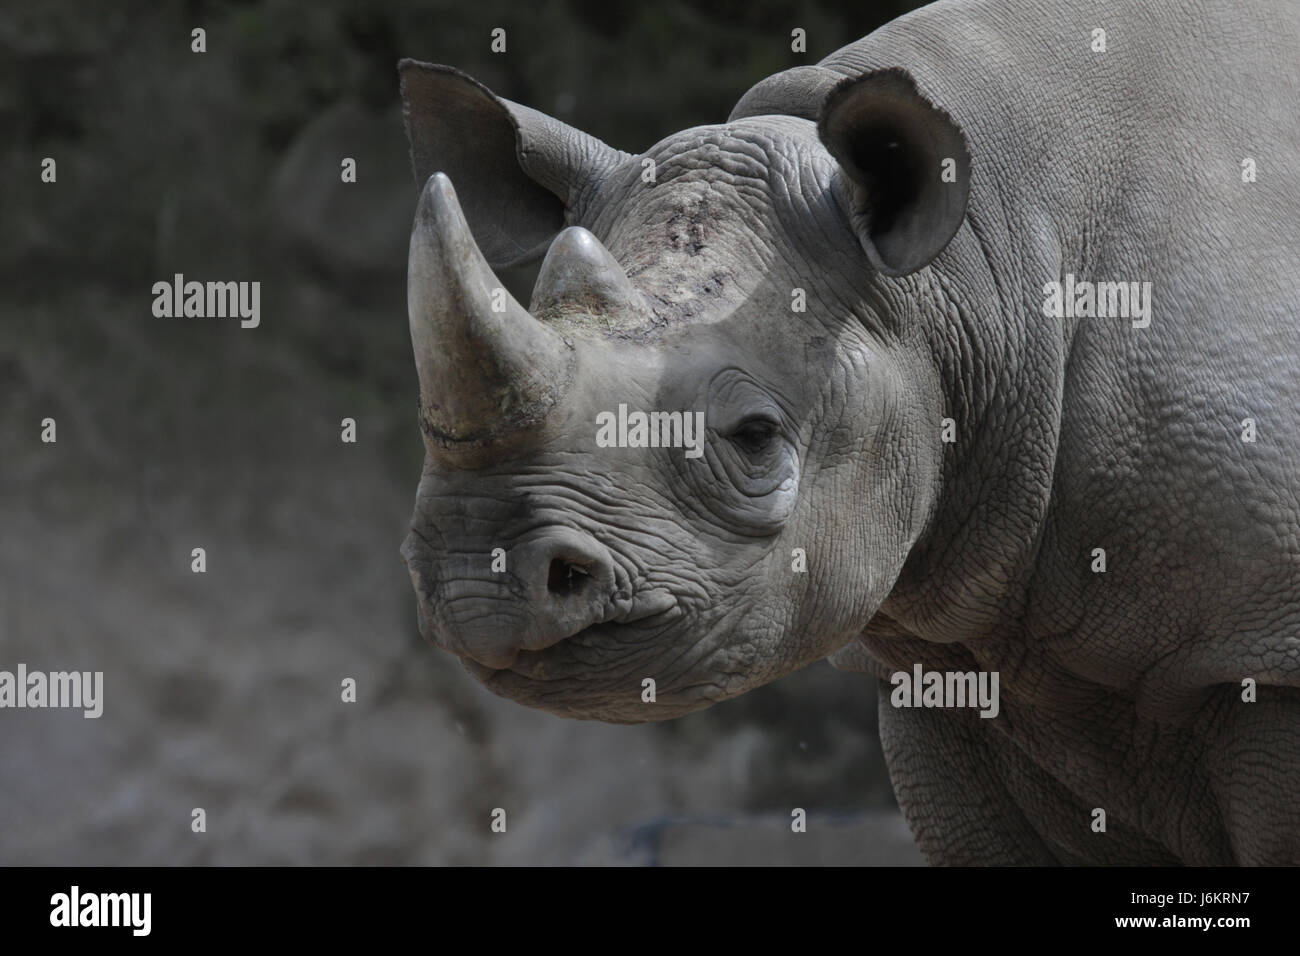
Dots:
{"x": 486, "y": 366}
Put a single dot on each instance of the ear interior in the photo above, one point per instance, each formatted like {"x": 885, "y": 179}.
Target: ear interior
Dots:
{"x": 895, "y": 147}
{"x": 457, "y": 126}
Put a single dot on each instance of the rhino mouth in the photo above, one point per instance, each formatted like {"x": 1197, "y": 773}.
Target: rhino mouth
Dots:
{"x": 600, "y": 672}
{"x": 642, "y": 627}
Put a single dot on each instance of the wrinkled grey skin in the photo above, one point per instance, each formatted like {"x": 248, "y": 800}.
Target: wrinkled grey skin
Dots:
{"x": 1119, "y": 690}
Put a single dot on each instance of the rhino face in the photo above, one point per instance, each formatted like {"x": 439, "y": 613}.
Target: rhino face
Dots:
{"x": 664, "y": 467}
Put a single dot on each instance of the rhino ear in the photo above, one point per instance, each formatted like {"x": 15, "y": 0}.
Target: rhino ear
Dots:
{"x": 907, "y": 163}
{"x": 798, "y": 91}
{"x": 520, "y": 176}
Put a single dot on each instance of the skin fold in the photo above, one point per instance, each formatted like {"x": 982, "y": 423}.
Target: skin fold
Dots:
{"x": 828, "y": 516}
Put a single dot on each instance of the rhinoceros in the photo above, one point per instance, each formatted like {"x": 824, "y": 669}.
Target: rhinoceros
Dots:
{"x": 989, "y": 328}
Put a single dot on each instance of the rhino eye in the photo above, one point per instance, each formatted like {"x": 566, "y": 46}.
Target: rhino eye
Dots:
{"x": 754, "y": 436}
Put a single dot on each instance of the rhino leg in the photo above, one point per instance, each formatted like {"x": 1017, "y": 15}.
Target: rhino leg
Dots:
{"x": 1256, "y": 792}
{"x": 972, "y": 798}
{"x": 976, "y": 823}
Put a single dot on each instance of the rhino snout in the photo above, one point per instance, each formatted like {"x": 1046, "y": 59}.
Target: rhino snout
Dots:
{"x": 554, "y": 585}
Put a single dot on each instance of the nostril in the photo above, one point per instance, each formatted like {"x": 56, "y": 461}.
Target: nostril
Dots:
{"x": 564, "y": 577}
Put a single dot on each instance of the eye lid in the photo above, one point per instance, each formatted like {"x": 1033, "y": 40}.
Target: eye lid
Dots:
{"x": 732, "y": 421}
{"x": 759, "y": 422}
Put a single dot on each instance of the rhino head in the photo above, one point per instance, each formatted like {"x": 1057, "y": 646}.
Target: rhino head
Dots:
{"x": 745, "y": 275}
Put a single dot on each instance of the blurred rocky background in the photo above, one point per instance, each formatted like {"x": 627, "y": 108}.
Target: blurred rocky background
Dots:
{"x": 222, "y": 690}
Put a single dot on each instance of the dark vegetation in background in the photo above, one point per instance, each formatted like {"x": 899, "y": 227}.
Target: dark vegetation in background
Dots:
{"x": 143, "y": 126}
